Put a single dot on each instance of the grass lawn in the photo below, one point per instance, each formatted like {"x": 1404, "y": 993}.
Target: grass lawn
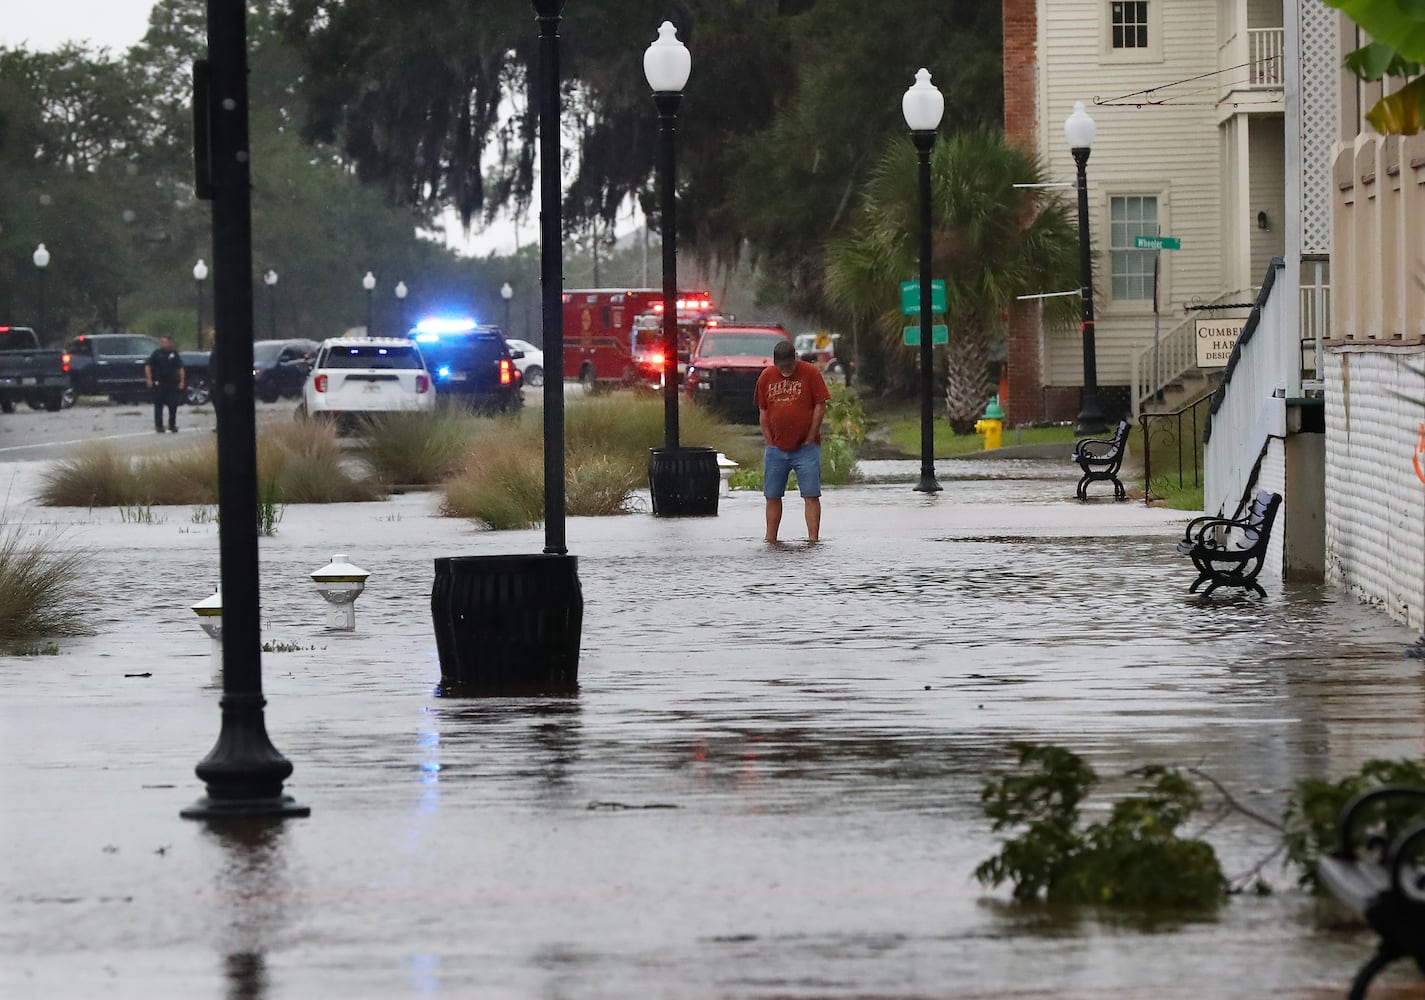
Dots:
{"x": 899, "y": 427}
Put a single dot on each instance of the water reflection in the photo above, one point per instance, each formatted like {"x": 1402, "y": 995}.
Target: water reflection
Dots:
{"x": 254, "y": 887}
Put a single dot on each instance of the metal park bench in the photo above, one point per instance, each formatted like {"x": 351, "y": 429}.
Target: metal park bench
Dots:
{"x": 1100, "y": 459}
{"x": 1230, "y": 551}
{"x": 1380, "y": 875}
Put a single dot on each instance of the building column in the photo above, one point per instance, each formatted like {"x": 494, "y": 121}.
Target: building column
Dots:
{"x": 1025, "y": 403}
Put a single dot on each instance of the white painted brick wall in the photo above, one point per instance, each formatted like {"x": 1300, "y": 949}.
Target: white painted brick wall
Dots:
{"x": 1375, "y": 501}
{"x": 1272, "y": 478}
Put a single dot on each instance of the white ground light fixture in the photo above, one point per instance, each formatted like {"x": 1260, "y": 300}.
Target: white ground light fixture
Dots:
{"x": 341, "y": 583}
{"x": 210, "y": 616}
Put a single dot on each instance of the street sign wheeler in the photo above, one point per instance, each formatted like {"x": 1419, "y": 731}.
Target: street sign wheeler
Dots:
{"x": 910, "y": 297}
{"x": 1157, "y": 243}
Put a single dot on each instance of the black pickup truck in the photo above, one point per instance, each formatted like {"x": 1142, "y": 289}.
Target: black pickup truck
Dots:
{"x": 30, "y": 373}
{"x": 111, "y": 364}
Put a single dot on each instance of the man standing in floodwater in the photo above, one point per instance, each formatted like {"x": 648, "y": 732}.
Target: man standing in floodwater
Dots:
{"x": 791, "y": 397}
{"x": 165, "y": 376}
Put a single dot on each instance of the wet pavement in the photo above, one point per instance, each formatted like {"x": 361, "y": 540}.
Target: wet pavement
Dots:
{"x": 767, "y": 786}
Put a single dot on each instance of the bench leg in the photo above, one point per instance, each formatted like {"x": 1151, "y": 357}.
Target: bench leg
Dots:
{"x": 1203, "y": 578}
{"x": 1254, "y": 585}
{"x": 1082, "y": 492}
{"x": 1383, "y": 957}
{"x": 1118, "y": 491}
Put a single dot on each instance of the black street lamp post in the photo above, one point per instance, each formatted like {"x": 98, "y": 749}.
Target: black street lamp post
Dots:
{"x": 682, "y": 481}
{"x": 200, "y": 275}
{"x": 269, "y": 278}
{"x": 369, "y": 283}
{"x": 41, "y": 259}
{"x": 1079, "y": 129}
{"x": 666, "y": 65}
{"x": 401, "y": 292}
{"x": 923, "y": 105}
{"x": 244, "y": 772}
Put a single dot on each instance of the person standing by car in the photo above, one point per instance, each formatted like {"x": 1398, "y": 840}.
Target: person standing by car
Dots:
{"x": 791, "y": 399}
{"x": 165, "y": 376}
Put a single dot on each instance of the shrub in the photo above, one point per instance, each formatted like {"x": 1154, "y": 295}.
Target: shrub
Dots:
{"x": 500, "y": 488}
{"x": 39, "y": 588}
{"x": 1314, "y": 809}
{"x": 597, "y": 486}
{"x": 1133, "y": 859}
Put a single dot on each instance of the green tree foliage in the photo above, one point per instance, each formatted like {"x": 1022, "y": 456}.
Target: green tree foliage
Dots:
{"x": 1313, "y": 813}
{"x": 1135, "y": 858}
{"x": 990, "y": 241}
{"x": 1398, "y": 50}
{"x": 96, "y": 162}
{"x": 780, "y": 120}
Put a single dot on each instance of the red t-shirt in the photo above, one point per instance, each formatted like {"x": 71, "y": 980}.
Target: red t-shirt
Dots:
{"x": 789, "y": 402}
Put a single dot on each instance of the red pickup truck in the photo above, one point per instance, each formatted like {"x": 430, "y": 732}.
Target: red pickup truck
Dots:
{"x": 723, "y": 369}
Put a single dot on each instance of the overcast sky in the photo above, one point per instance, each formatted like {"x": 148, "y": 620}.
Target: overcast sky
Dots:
{"x": 47, "y": 24}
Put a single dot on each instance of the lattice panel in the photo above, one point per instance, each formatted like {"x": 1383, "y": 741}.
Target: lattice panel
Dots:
{"x": 1320, "y": 77}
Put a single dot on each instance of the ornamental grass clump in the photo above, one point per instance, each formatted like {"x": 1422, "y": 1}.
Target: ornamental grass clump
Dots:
{"x": 96, "y": 475}
{"x": 39, "y": 588}
{"x": 624, "y": 427}
{"x": 300, "y": 462}
{"x": 1133, "y": 859}
{"x": 422, "y": 448}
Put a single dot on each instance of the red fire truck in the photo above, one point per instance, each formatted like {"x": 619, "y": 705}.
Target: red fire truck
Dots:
{"x": 599, "y": 335}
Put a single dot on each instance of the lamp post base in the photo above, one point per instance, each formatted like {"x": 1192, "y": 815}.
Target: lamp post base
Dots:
{"x": 1091, "y": 419}
{"x": 276, "y": 807}
{"x": 928, "y": 483}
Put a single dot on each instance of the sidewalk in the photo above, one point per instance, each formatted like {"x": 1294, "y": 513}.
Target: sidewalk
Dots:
{"x": 767, "y": 786}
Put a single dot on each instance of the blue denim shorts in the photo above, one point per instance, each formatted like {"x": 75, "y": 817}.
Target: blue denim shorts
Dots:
{"x": 778, "y": 464}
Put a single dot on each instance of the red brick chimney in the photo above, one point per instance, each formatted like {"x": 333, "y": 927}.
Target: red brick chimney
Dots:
{"x": 1025, "y": 402}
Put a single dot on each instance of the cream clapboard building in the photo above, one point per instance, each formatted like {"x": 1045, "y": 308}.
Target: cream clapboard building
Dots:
{"x": 1187, "y": 97}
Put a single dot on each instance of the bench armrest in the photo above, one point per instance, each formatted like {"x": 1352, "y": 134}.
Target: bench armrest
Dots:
{"x": 1206, "y": 524}
{"x": 1345, "y": 845}
{"x": 1407, "y": 873}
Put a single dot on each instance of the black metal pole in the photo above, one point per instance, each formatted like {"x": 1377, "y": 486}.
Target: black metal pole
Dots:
{"x": 198, "y": 341}
{"x": 551, "y": 273}
{"x": 924, "y": 142}
{"x": 272, "y": 309}
{"x": 40, "y": 333}
{"x": 370, "y": 332}
{"x": 244, "y": 772}
{"x": 667, "y": 103}
{"x": 1091, "y": 419}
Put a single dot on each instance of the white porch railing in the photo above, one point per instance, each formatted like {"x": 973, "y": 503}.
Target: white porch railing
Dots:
{"x": 1264, "y": 54}
{"x": 1153, "y": 368}
{"x": 1249, "y": 413}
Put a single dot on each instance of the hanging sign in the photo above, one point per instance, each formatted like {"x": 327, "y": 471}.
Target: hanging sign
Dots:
{"x": 1215, "y": 339}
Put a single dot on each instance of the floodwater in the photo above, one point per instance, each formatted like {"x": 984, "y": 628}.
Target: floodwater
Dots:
{"x": 767, "y": 787}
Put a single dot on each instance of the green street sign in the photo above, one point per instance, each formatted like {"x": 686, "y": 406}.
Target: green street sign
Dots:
{"x": 938, "y": 335}
{"x": 1157, "y": 243}
{"x": 910, "y": 297}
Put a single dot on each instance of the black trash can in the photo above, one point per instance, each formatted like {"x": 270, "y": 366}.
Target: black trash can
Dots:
{"x": 508, "y": 624}
{"x": 683, "y": 481}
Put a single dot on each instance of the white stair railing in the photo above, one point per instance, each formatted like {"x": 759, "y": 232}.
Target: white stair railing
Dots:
{"x": 1175, "y": 355}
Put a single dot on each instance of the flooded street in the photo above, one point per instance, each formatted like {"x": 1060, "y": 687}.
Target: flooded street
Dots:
{"x": 767, "y": 787}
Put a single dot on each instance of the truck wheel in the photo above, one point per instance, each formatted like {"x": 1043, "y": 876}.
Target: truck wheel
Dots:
{"x": 54, "y": 402}
{"x": 586, "y": 376}
{"x": 67, "y": 397}
{"x": 534, "y": 376}
{"x": 198, "y": 392}
{"x": 7, "y": 406}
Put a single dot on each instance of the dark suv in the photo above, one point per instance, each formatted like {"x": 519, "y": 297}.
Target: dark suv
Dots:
{"x": 471, "y": 364}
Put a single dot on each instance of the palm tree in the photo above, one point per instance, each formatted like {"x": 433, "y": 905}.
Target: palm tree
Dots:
{"x": 991, "y": 241}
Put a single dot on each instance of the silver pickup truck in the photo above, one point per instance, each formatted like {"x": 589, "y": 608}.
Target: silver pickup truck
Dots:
{"x": 32, "y": 374}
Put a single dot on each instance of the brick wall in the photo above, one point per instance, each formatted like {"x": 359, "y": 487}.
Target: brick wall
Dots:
{"x": 1026, "y": 402}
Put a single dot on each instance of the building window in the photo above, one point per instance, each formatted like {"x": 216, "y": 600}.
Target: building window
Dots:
{"x": 1131, "y": 216}
{"x": 1130, "y": 24}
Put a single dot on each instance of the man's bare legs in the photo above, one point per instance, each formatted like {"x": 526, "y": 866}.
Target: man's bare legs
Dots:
{"x": 813, "y": 513}
{"x": 774, "y": 518}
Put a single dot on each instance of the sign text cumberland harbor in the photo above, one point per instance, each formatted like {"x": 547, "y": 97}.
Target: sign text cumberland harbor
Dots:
{"x": 1215, "y": 339}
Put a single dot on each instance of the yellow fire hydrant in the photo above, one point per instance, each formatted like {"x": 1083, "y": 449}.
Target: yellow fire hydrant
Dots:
{"x": 991, "y": 425}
